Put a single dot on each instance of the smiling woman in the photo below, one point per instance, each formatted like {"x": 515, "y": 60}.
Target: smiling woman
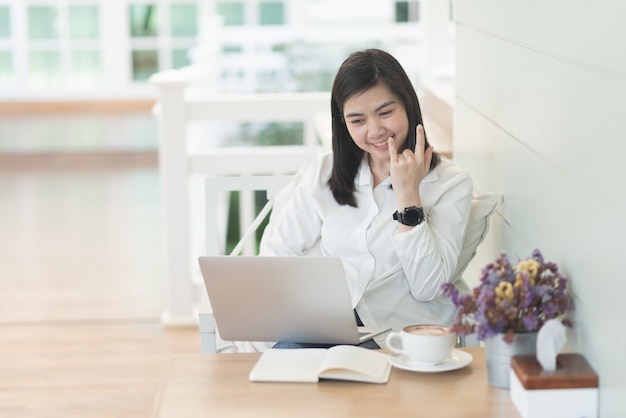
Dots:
{"x": 372, "y": 80}
{"x": 383, "y": 201}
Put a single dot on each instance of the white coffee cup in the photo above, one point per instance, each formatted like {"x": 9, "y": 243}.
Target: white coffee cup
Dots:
{"x": 424, "y": 343}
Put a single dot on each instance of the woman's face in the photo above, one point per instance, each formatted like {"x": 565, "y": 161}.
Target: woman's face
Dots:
{"x": 372, "y": 117}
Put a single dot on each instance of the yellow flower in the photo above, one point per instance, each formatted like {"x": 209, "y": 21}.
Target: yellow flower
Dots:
{"x": 504, "y": 291}
{"x": 530, "y": 267}
{"x": 519, "y": 281}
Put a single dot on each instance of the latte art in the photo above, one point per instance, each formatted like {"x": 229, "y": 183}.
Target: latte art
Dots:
{"x": 427, "y": 330}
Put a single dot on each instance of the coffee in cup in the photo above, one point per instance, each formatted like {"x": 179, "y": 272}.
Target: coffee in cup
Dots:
{"x": 425, "y": 343}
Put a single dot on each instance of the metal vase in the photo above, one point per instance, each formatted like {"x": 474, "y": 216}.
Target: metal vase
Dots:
{"x": 499, "y": 353}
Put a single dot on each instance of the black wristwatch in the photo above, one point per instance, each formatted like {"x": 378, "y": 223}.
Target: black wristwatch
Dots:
{"x": 411, "y": 216}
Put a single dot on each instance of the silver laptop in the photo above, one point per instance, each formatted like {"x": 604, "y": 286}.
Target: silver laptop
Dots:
{"x": 294, "y": 299}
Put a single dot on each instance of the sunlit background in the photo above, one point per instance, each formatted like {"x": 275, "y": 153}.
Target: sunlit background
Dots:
{"x": 106, "y": 50}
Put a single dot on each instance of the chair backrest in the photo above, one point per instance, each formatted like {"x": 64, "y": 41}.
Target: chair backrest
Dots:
{"x": 483, "y": 206}
{"x": 213, "y": 185}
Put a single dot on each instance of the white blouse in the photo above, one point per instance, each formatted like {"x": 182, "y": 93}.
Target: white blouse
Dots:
{"x": 394, "y": 278}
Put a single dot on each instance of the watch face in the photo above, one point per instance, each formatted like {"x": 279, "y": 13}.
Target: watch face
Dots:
{"x": 412, "y": 216}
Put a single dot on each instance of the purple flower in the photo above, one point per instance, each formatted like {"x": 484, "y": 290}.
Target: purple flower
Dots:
{"x": 531, "y": 321}
{"x": 512, "y": 298}
{"x": 486, "y": 297}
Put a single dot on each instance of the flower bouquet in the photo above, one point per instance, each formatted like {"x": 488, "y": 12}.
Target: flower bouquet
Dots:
{"x": 512, "y": 299}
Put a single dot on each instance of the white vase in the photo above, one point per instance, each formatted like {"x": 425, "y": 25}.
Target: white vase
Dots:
{"x": 499, "y": 353}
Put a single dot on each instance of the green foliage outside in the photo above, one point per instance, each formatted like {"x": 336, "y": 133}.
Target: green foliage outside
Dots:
{"x": 267, "y": 134}
{"x": 233, "y": 229}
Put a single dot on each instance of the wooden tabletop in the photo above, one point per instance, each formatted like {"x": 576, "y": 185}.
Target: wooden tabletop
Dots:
{"x": 217, "y": 385}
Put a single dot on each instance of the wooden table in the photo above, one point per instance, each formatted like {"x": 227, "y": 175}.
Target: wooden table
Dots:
{"x": 217, "y": 385}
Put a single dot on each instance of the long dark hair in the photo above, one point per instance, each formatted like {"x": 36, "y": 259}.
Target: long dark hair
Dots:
{"x": 362, "y": 71}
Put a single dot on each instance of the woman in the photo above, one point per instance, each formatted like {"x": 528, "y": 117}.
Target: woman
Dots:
{"x": 395, "y": 217}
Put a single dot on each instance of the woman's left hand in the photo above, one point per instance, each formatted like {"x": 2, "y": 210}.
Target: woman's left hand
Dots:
{"x": 408, "y": 169}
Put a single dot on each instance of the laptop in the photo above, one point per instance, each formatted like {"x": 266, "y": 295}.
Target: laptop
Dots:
{"x": 293, "y": 299}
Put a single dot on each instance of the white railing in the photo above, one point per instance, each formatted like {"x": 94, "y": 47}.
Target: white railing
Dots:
{"x": 179, "y": 164}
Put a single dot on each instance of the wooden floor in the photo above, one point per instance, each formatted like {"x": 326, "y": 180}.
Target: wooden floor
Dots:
{"x": 81, "y": 292}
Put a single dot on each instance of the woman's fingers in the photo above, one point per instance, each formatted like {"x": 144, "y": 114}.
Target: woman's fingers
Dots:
{"x": 393, "y": 149}
{"x": 428, "y": 156}
{"x": 419, "y": 137}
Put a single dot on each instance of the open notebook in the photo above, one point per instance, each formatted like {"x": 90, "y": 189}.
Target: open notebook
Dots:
{"x": 295, "y": 299}
{"x": 341, "y": 362}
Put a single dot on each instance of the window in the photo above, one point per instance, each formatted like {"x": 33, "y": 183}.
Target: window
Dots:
{"x": 73, "y": 58}
{"x": 161, "y": 35}
{"x": 6, "y": 68}
{"x": 5, "y": 22}
{"x": 143, "y": 20}
{"x": 232, "y": 13}
{"x": 183, "y": 20}
{"x": 43, "y": 22}
{"x": 271, "y": 13}
{"x": 407, "y": 11}
{"x": 45, "y": 69}
{"x": 6, "y": 58}
{"x": 84, "y": 22}
{"x": 85, "y": 68}
{"x": 145, "y": 63}
{"x": 79, "y": 47}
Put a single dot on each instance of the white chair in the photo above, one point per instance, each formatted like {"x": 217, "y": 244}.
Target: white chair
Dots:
{"x": 484, "y": 205}
{"x": 210, "y": 341}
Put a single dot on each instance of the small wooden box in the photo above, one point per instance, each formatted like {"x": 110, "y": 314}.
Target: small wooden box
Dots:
{"x": 571, "y": 391}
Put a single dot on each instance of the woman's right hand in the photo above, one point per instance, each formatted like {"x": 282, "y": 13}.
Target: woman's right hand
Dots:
{"x": 408, "y": 169}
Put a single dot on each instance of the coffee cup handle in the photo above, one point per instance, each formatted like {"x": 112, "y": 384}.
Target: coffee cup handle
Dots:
{"x": 394, "y": 342}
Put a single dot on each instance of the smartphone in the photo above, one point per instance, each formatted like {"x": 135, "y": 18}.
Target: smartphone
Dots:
{"x": 412, "y": 139}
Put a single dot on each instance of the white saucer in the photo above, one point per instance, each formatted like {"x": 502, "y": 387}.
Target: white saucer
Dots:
{"x": 458, "y": 359}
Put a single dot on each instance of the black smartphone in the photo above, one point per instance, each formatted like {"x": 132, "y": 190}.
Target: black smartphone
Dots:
{"x": 412, "y": 138}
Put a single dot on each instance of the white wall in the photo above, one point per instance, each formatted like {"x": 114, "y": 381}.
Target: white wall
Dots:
{"x": 539, "y": 116}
